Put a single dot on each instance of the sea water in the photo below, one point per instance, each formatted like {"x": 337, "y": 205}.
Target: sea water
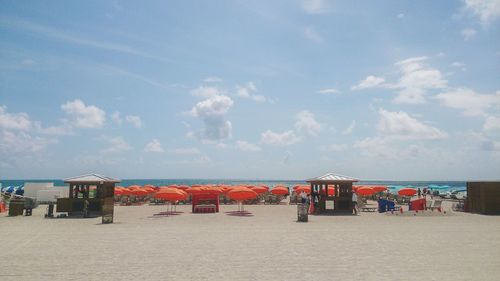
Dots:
{"x": 394, "y": 185}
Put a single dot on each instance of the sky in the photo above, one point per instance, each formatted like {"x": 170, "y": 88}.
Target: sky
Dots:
{"x": 378, "y": 90}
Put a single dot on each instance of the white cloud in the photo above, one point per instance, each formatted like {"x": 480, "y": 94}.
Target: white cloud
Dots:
{"x": 400, "y": 15}
{"x": 460, "y": 65}
{"x": 116, "y": 145}
{"x": 246, "y": 146}
{"x": 468, "y": 33}
{"x": 84, "y": 116}
{"x": 206, "y": 92}
{"x": 185, "y": 151}
{"x": 14, "y": 121}
{"x": 281, "y": 139}
{"x": 491, "y": 123}
{"x": 349, "y": 129}
{"x": 315, "y": 6}
{"x": 22, "y": 142}
{"x": 212, "y": 111}
{"x": 400, "y": 125}
{"x": 154, "y": 146}
{"x": 59, "y": 130}
{"x": 369, "y": 82}
{"x": 215, "y": 105}
{"x": 307, "y": 123}
{"x": 116, "y": 118}
{"x": 472, "y": 103}
{"x": 486, "y": 10}
{"x": 329, "y": 91}
{"x": 335, "y": 147}
{"x": 312, "y": 34}
{"x": 247, "y": 92}
{"x": 136, "y": 121}
{"x": 416, "y": 78}
{"x": 212, "y": 79}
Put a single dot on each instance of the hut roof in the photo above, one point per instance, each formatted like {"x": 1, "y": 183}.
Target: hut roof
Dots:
{"x": 331, "y": 177}
{"x": 91, "y": 178}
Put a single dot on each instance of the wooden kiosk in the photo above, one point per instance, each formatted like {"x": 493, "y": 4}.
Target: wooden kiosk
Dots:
{"x": 340, "y": 194}
{"x": 81, "y": 200}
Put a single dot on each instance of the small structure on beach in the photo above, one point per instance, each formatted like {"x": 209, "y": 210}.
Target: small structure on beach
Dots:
{"x": 483, "y": 198}
{"x": 81, "y": 200}
{"x": 335, "y": 188}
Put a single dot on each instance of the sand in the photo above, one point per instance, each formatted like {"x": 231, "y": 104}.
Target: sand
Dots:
{"x": 267, "y": 245}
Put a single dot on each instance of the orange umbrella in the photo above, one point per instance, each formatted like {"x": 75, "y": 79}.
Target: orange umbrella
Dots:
{"x": 407, "y": 191}
{"x": 124, "y": 191}
{"x": 139, "y": 192}
{"x": 241, "y": 193}
{"x": 259, "y": 189}
{"x": 171, "y": 194}
{"x": 118, "y": 191}
{"x": 134, "y": 187}
{"x": 196, "y": 189}
{"x": 148, "y": 186}
{"x": 305, "y": 188}
{"x": 279, "y": 190}
{"x": 379, "y": 188}
{"x": 182, "y": 187}
{"x": 365, "y": 190}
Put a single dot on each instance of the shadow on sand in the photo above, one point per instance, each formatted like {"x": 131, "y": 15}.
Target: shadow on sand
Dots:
{"x": 165, "y": 214}
{"x": 239, "y": 214}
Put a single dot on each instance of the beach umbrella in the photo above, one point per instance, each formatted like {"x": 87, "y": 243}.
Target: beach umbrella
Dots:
{"x": 134, "y": 187}
{"x": 365, "y": 191}
{"x": 241, "y": 193}
{"x": 139, "y": 192}
{"x": 259, "y": 189}
{"x": 148, "y": 186}
{"x": 379, "y": 188}
{"x": 198, "y": 189}
{"x": 279, "y": 190}
{"x": 305, "y": 188}
{"x": 214, "y": 190}
{"x": 407, "y": 191}
{"x": 182, "y": 187}
{"x": 171, "y": 194}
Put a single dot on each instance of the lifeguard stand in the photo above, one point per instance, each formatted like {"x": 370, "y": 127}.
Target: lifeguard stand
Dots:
{"x": 341, "y": 197}
{"x": 205, "y": 203}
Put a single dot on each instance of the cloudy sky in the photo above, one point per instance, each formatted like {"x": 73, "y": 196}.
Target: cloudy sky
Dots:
{"x": 250, "y": 89}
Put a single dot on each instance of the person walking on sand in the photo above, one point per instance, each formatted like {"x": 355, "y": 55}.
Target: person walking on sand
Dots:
{"x": 355, "y": 203}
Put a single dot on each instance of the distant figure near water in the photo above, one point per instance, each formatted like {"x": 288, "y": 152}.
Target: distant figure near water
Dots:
{"x": 303, "y": 197}
{"x": 355, "y": 203}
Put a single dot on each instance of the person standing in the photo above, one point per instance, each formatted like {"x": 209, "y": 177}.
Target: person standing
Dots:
{"x": 419, "y": 192}
{"x": 303, "y": 197}
{"x": 355, "y": 203}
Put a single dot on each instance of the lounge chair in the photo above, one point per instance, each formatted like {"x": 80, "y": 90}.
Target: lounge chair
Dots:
{"x": 436, "y": 205}
{"x": 428, "y": 204}
{"x": 363, "y": 208}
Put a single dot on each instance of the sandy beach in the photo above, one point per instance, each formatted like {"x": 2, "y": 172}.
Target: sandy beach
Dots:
{"x": 268, "y": 244}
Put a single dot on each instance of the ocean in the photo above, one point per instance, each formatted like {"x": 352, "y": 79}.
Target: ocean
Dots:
{"x": 452, "y": 185}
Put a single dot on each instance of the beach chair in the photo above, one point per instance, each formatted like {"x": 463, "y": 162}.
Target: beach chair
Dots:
{"x": 428, "y": 204}
{"x": 436, "y": 205}
{"x": 364, "y": 208}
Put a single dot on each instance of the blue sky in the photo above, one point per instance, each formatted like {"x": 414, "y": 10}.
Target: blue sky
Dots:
{"x": 396, "y": 90}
